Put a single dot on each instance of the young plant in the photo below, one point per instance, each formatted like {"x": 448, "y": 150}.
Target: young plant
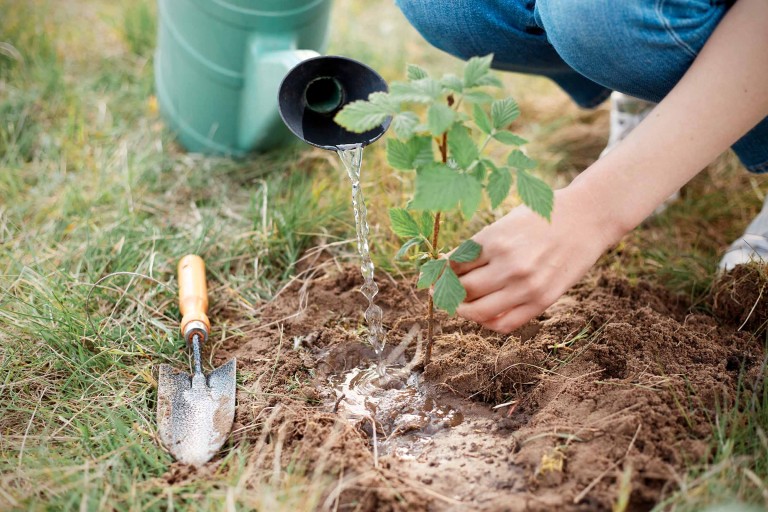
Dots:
{"x": 442, "y": 129}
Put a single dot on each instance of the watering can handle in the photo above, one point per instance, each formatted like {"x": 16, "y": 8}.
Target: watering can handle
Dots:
{"x": 193, "y": 297}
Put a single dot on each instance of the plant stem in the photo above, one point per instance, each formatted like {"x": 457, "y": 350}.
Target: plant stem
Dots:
{"x": 443, "y": 145}
{"x": 431, "y": 304}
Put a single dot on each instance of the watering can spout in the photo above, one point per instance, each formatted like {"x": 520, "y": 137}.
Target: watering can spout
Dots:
{"x": 268, "y": 59}
{"x": 316, "y": 89}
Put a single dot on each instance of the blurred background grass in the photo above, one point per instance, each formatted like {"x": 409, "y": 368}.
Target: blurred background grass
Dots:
{"x": 91, "y": 182}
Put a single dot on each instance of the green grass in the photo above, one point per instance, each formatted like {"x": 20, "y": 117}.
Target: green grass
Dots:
{"x": 91, "y": 183}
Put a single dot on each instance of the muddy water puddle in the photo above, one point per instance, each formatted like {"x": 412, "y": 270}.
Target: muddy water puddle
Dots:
{"x": 392, "y": 406}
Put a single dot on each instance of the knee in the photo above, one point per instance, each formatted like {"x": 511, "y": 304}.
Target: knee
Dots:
{"x": 629, "y": 46}
{"x": 581, "y": 32}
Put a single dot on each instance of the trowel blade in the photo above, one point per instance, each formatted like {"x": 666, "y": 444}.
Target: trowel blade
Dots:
{"x": 195, "y": 413}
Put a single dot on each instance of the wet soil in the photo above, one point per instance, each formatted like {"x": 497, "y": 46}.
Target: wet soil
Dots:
{"x": 615, "y": 378}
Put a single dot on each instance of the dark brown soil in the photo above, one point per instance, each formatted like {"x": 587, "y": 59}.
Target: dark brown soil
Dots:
{"x": 615, "y": 378}
{"x": 741, "y": 298}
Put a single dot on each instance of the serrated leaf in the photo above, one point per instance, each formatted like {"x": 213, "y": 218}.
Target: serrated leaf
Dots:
{"x": 504, "y": 112}
{"x": 430, "y": 271}
{"x": 426, "y": 224}
{"x": 509, "y": 138}
{"x": 423, "y": 151}
{"x": 520, "y": 160}
{"x": 490, "y": 80}
{"x": 475, "y": 69}
{"x": 440, "y": 188}
{"x": 404, "y": 124}
{"x": 402, "y": 223}
{"x": 468, "y": 251}
{"x": 481, "y": 119}
{"x": 535, "y": 193}
{"x": 361, "y": 116}
{"x": 414, "y": 72}
{"x": 499, "y": 183}
{"x": 477, "y": 97}
{"x": 449, "y": 292}
{"x": 452, "y": 83}
{"x": 473, "y": 194}
{"x": 424, "y": 90}
{"x": 461, "y": 146}
{"x": 410, "y": 154}
{"x": 439, "y": 118}
{"x": 406, "y": 246}
{"x": 479, "y": 171}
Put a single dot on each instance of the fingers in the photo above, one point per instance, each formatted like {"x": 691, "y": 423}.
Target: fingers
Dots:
{"x": 463, "y": 268}
{"x": 480, "y": 282}
{"x": 490, "y": 306}
{"x": 517, "y": 317}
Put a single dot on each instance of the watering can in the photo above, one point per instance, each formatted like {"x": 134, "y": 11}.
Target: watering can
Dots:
{"x": 219, "y": 64}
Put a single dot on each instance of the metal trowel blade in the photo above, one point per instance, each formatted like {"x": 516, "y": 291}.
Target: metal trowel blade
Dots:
{"x": 195, "y": 413}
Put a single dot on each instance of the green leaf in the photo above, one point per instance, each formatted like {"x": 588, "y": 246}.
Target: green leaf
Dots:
{"x": 415, "y": 72}
{"x": 508, "y": 138}
{"x": 439, "y": 118}
{"x": 361, "y": 116}
{"x": 462, "y": 147}
{"x": 426, "y": 224}
{"x": 473, "y": 194}
{"x": 468, "y": 251}
{"x": 452, "y": 83}
{"x": 504, "y": 112}
{"x": 407, "y": 245}
{"x": 477, "y": 97}
{"x": 479, "y": 171}
{"x": 430, "y": 271}
{"x": 448, "y": 291}
{"x": 499, "y": 183}
{"x": 520, "y": 160}
{"x": 423, "y": 154}
{"x": 481, "y": 119}
{"x": 475, "y": 69}
{"x": 410, "y": 154}
{"x": 424, "y": 90}
{"x": 402, "y": 223}
{"x": 535, "y": 193}
{"x": 490, "y": 80}
{"x": 404, "y": 124}
{"x": 440, "y": 188}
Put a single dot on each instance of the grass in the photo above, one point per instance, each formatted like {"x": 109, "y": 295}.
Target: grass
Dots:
{"x": 92, "y": 183}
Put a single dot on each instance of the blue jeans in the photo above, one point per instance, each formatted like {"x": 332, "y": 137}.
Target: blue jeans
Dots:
{"x": 588, "y": 47}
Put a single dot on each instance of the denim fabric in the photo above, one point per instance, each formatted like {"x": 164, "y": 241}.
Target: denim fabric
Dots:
{"x": 588, "y": 47}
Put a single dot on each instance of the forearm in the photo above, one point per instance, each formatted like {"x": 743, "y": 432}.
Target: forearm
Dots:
{"x": 721, "y": 97}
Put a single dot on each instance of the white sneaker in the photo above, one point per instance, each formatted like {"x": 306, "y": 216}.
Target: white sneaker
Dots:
{"x": 751, "y": 246}
{"x": 626, "y": 113}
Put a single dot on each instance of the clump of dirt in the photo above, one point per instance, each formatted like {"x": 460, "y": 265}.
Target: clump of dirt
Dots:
{"x": 615, "y": 377}
{"x": 740, "y": 298}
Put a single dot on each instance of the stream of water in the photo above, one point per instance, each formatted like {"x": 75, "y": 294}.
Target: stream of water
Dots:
{"x": 352, "y": 158}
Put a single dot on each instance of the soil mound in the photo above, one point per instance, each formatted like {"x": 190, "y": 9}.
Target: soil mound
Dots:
{"x": 740, "y": 298}
{"x": 614, "y": 379}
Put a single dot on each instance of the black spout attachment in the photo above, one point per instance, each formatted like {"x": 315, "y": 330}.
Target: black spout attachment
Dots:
{"x": 315, "y": 90}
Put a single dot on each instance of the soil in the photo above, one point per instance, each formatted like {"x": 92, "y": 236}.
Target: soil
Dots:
{"x": 616, "y": 380}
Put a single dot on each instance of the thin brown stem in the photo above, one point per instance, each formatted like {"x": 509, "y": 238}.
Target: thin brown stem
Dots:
{"x": 431, "y": 304}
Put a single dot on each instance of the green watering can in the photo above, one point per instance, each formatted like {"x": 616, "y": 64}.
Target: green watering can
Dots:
{"x": 219, "y": 65}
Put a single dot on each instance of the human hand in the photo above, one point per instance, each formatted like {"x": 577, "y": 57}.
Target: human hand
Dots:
{"x": 526, "y": 263}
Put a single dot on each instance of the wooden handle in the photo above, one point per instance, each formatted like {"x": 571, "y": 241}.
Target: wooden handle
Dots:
{"x": 193, "y": 292}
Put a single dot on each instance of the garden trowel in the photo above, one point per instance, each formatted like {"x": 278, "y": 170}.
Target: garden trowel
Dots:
{"x": 195, "y": 413}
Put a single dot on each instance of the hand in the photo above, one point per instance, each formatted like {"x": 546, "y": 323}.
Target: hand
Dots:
{"x": 526, "y": 263}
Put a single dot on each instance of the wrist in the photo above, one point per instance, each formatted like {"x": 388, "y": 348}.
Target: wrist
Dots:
{"x": 605, "y": 214}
